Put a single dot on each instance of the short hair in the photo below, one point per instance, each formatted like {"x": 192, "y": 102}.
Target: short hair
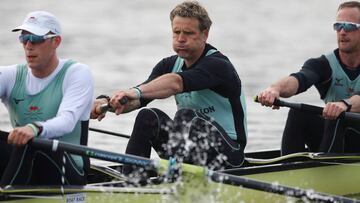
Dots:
{"x": 192, "y": 9}
{"x": 350, "y": 4}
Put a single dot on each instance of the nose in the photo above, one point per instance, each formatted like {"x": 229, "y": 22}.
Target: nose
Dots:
{"x": 342, "y": 31}
{"x": 28, "y": 44}
{"x": 181, "y": 37}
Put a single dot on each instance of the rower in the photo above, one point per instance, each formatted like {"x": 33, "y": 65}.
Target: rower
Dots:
{"x": 210, "y": 127}
{"x": 336, "y": 77}
{"x": 47, "y": 98}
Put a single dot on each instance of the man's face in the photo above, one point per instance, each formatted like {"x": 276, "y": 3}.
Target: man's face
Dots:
{"x": 39, "y": 54}
{"x": 188, "y": 40}
{"x": 348, "y": 42}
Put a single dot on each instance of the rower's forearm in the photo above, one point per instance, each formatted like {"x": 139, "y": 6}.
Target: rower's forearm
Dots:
{"x": 132, "y": 105}
{"x": 162, "y": 87}
{"x": 287, "y": 86}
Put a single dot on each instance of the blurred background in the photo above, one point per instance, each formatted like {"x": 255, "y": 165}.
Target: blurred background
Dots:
{"x": 122, "y": 41}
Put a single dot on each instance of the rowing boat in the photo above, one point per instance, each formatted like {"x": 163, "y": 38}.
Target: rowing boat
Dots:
{"x": 264, "y": 177}
{"x": 335, "y": 178}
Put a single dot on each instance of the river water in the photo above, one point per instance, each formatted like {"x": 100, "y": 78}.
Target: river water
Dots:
{"x": 122, "y": 40}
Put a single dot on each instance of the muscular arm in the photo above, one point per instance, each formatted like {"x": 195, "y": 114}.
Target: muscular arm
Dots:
{"x": 162, "y": 87}
{"x": 285, "y": 87}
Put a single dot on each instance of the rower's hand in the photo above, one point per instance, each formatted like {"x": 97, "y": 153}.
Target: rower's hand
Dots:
{"x": 332, "y": 110}
{"x": 268, "y": 96}
{"x": 95, "y": 110}
{"x": 119, "y": 101}
{"x": 20, "y": 135}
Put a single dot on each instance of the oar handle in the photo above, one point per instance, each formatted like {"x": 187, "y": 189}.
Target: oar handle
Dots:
{"x": 350, "y": 116}
{"x": 107, "y": 107}
{"x": 298, "y": 106}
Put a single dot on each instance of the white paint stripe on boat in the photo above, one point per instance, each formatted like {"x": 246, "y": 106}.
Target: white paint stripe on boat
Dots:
{"x": 55, "y": 145}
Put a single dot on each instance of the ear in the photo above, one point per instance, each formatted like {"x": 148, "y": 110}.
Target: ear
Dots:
{"x": 57, "y": 41}
{"x": 205, "y": 34}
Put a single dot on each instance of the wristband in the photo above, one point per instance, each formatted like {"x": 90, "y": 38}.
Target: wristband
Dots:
{"x": 138, "y": 92}
{"x": 347, "y": 103}
{"x": 34, "y": 128}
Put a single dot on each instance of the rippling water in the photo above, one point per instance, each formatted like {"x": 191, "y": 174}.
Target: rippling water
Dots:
{"x": 123, "y": 40}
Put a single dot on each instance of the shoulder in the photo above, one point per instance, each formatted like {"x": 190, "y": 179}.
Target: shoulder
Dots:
{"x": 8, "y": 72}
{"x": 8, "y": 69}
{"x": 164, "y": 66}
{"x": 78, "y": 68}
{"x": 168, "y": 61}
{"x": 319, "y": 62}
{"x": 7, "y": 79}
{"x": 79, "y": 72}
{"x": 215, "y": 59}
{"x": 216, "y": 62}
{"x": 319, "y": 66}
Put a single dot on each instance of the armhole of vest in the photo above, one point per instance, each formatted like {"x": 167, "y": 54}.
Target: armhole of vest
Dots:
{"x": 177, "y": 65}
{"x": 211, "y": 51}
{"x": 70, "y": 62}
{"x": 330, "y": 57}
{"x": 21, "y": 71}
{"x": 66, "y": 66}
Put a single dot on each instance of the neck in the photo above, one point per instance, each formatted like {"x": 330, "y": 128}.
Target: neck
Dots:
{"x": 47, "y": 69}
{"x": 351, "y": 60}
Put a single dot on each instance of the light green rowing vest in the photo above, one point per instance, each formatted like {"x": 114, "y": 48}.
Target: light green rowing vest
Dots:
{"x": 25, "y": 108}
{"x": 341, "y": 86}
{"x": 209, "y": 103}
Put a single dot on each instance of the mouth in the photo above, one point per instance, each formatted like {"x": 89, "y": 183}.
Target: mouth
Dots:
{"x": 343, "y": 40}
{"x": 30, "y": 57}
{"x": 181, "y": 48}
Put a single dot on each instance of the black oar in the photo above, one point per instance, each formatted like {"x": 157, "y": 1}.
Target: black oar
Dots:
{"x": 313, "y": 109}
{"x": 55, "y": 145}
{"x": 163, "y": 165}
{"x": 278, "y": 189}
{"x": 109, "y": 132}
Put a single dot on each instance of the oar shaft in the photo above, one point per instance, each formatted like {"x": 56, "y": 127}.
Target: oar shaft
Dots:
{"x": 276, "y": 188}
{"x": 109, "y": 132}
{"x": 55, "y": 145}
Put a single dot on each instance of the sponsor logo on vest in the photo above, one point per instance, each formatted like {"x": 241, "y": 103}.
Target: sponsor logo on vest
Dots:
{"x": 33, "y": 108}
{"x": 33, "y": 112}
{"x": 206, "y": 110}
{"x": 18, "y": 100}
{"x": 338, "y": 82}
